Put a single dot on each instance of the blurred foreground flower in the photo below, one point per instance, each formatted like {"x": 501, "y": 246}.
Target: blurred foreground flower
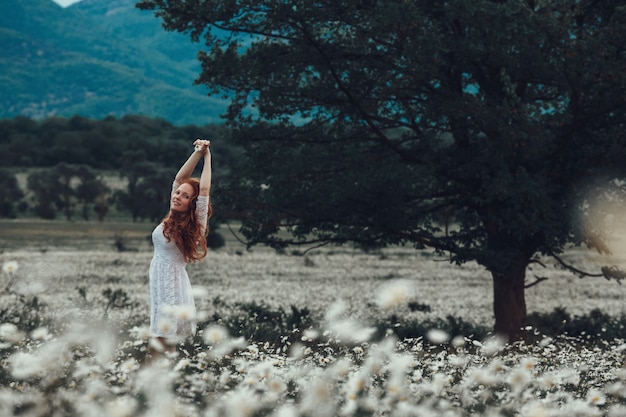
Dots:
{"x": 40, "y": 333}
{"x": 437, "y": 336}
{"x": 346, "y": 329}
{"x": 181, "y": 312}
{"x": 218, "y": 337}
{"x": 395, "y": 294}
{"x": 215, "y": 334}
{"x": 10, "y": 333}
{"x": 10, "y": 267}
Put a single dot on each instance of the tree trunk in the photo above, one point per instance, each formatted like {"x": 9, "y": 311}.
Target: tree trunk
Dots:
{"x": 509, "y": 303}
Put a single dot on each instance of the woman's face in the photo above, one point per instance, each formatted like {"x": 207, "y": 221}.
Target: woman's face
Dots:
{"x": 181, "y": 198}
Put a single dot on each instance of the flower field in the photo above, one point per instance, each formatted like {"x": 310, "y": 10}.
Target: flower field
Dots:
{"x": 294, "y": 336}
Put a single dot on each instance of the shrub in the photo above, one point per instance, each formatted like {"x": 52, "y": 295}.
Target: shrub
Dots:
{"x": 258, "y": 322}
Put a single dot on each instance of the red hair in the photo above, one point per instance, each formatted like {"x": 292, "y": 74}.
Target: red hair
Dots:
{"x": 184, "y": 229}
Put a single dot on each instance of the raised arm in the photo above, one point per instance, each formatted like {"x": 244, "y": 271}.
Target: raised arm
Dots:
{"x": 186, "y": 170}
{"x": 205, "y": 177}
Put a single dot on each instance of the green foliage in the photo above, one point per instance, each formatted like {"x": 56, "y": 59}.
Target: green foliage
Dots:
{"x": 257, "y": 321}
{"x": 416, "y": 328}
{"x": 214, "y": 239}
{"x": 106, "y": 143}
{"x": 261, "y": 324}
{"x": 26, "y": 312}
{"x": 46, "y": 190}
{"x": 148, "y": 191}
{"x": 594, "y": 326}
{"x": 10, "y": 194}
{"x": 55, "y": 189}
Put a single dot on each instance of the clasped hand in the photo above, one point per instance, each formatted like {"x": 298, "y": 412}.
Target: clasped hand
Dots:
{"x": 202, "y": 145}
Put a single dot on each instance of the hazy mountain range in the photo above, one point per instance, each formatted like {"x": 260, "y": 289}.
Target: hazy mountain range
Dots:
{"x": 97, "y": 58}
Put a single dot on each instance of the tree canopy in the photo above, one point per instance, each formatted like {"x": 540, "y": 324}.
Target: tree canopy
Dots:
{"x": 476, "y": 127}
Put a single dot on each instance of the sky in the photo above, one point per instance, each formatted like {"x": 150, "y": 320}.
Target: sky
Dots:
{"x": 66, "y": 3}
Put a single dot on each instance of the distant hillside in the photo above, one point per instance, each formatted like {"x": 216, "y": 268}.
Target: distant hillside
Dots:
{"x": 97, "y": 58}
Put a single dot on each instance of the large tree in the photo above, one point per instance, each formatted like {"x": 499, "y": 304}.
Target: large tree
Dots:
{"x": 475, "y": 127}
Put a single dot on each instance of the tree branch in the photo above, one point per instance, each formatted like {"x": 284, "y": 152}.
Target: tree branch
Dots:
{"x": 537, "y": 281}
{"x": 576, "y": 271}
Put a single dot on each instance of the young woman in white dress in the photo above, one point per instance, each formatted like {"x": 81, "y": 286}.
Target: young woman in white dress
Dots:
{"x": 179, "y": 239}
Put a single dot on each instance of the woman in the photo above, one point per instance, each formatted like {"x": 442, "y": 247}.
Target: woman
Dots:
{"x": 179, "y": 239}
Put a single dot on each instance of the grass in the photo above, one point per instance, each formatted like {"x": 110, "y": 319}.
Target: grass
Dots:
{"x": 78, "y": 235}
{"x": 71, "y": 251}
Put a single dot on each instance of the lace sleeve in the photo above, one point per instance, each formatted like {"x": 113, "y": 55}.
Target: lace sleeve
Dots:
{"x": 202, "y": 211}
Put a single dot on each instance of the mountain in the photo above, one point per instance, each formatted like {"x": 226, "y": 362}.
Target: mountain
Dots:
{"x": 97, "y": 58}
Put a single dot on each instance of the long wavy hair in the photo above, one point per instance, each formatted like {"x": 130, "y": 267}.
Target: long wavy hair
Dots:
{"x": 184, "y": 229}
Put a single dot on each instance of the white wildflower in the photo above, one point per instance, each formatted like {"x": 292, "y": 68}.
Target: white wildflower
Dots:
{"x": 262, "y": 370}
{"x": 616, "y": 389}
{"x": 519, "y": 378}
{"x": 579, "y": 408}
{"x": 350, "y": 330}
{"x": 10, "y": 333}
{"x": 84, "y": 369}
{"x": 241, "y": 403}
{"x": 124, "y": 406}
{"x": 129, "y": 365}
{"x": 617, "y": 410}
{"x": 492, "y": 345}
{"x": 341, "y": 368}
{"x": 528, "y": 363}
{"x": 40, "y": 333}
{"x": 318, "y": 399}
{"x": 596, "y": 397}
{"x": 479, "y": 376}
{"x": 166, "y": 326}
{"x": 395, "y": 294}
{"x": 227, "y": 346}
{"x": 546, "y": 341}
{"x": 534, "y": 409}
{"x": 181, "y": 312}
{"x": 182, "y": 364}
{"x": 310, "y": 335}
{"x": 336, "y": 311}
{"x": 568, "y": 376}
{"x": 10, "y": 267}
{"x": 548, "y": 381}
{"x": 215, "y": 334}
{"x": 140, "y": 333}
{"x": 346, "y": 329}
{"x": 286, "y": 410}
{"x": 155, "y": 344}
{"x": 357, "y": 383}
{"x": 276, "y": 385}
{"x": 458, "y": 341}
{"x": 437, "y": 336}
{"x": 26, "y": 365}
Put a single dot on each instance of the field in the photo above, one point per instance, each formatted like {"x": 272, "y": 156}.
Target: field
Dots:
{"x": 76, "y": 336}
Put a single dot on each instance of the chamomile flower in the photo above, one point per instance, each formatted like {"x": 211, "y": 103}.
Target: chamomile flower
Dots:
{"x": 10, "y": 267}
{"x": 181, "y": 312}
{"x": 10, "y": 332}
{"x": 437, "y": 336}
{"x": 40, "y": 333}
{"x": 395, "y": 294}
{"x": 519, "y": 378}
{"x": 215, "y": 334}
{"x": 596, "y": 397}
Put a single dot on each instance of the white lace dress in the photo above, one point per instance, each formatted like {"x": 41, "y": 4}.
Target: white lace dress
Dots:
{"x": 172, "y": 308}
